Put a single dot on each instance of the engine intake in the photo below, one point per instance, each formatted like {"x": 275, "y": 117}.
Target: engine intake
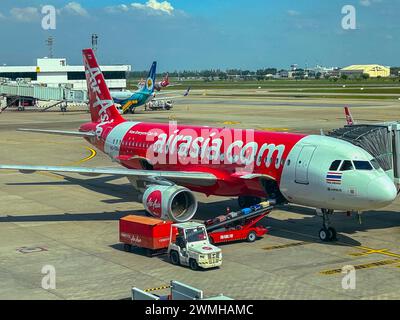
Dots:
{"x": 174, "y": 202}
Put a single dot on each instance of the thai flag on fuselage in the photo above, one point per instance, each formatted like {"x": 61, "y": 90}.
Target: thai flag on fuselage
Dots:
{"x": 334, "y": 177}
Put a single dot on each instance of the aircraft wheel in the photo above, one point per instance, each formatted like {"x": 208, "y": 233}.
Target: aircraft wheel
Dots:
{"x": 324, "y": 235}
{"x": 127, "y": 247}
{"x": 251, "y": 237}
{"x": 332, "y": 234}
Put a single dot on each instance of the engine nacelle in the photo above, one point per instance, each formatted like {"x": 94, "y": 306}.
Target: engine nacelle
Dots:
{"x": 173, "y": 202}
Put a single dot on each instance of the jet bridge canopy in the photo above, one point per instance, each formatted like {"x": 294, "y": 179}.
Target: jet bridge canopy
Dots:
{"x": 381, "y": 140}
{"x": 375, "y": 139}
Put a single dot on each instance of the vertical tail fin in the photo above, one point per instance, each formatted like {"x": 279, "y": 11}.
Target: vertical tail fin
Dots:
{"x": 101, "y": 104}
{"x": 151, "y": 79}
{"x": 349, "y": 117}
{"x": 165, "y": 82}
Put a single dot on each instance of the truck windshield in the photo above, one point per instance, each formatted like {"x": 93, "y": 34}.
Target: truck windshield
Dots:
{"x": 196, "y": 234}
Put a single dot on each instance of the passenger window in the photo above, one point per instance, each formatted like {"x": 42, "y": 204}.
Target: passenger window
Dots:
{"x": 346, "y": 166}
{"x": 362, "y": 165}
{"x": 335, "y": 165}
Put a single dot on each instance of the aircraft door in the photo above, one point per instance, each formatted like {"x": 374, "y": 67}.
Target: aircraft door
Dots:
{"x": 303, "y": 163}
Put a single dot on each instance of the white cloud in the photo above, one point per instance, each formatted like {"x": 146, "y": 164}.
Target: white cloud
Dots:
{"x": 74, "y": 8}
{"x": 293, "y": 13}
{"x": 151, "y": 7}
{"x": 365, "y": 3}
{"x": 116, "y": 9}
{"x": 368, "y": 3}
{"x": 26, "y": 14}
{"x": 2, "y": 16}
{"x": 156, "y": 6}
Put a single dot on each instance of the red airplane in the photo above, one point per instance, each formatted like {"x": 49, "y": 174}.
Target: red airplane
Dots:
{"x": 158, "y": 85}
{"x": 167, "y": 162}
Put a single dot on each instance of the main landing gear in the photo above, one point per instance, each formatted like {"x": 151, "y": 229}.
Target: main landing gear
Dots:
{"x": 327, "y": 233}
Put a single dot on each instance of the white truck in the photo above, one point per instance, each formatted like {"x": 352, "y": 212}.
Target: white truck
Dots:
{"x": 191, "y": 247}
{"x": 159, "y": 105}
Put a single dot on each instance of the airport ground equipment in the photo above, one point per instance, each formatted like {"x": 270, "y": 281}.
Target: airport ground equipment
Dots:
{"x": 239, "y": 225}
{"x": 178, "y": 291}
{"x": 159, "y": 105}
{"x": 381, "y": 140}
{"x": 60, "y": 95}
{"x": 186, "y": 243}
{"x": 191, "y": 247}
{"x": 151, "y": 234}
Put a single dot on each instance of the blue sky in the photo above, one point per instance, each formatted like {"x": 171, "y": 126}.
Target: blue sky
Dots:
{"x": 185, "y": 34}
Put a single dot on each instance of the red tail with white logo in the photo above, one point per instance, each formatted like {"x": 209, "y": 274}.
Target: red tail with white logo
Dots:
{"x": 349, "y": 117}
{"x": 165, "y": 82}
{"x": 102, "y": 108}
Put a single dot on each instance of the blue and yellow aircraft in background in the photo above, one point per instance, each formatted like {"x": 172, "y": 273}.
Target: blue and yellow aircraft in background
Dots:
{"x": 129, "y": 100}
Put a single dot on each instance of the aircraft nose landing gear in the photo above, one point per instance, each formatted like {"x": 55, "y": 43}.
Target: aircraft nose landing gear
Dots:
{"x": 327, "y": 233}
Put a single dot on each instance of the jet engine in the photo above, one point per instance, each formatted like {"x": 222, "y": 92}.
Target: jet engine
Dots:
{"x": 170, "y": 202}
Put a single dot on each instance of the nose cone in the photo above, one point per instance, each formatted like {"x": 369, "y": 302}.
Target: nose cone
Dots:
{"x": 382, "y": 191}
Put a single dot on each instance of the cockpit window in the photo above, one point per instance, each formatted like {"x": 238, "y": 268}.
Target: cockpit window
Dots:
{"x": 375, "y": 164}
{"x": 362, "y": 165}
{"x": 346, "y": 166}
{"x": 335, "y": 165}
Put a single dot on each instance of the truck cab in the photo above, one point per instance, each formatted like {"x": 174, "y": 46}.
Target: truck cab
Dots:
{"x": 190, "y": 246}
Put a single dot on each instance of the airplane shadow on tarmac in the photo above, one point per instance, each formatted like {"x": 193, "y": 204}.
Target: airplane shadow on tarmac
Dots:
{"x": 302, "y": 229}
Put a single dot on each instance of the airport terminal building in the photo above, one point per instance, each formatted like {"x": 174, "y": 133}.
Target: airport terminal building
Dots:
{"x": 56, "y": 72}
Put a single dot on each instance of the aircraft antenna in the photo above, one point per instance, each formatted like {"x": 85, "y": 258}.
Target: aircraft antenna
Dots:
{"x": 50, "y": 43}
{"x": 95, "y": 37}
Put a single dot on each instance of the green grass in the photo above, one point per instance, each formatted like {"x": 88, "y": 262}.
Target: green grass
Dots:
{"x": 318, "y": 87}
{"x": 367, "y": 90}
{"x": 283, "y": 84}
{"x": 322, "y": 96}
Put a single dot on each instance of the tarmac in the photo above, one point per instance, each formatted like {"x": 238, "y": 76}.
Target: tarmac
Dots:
{"x": 70, "y": 222}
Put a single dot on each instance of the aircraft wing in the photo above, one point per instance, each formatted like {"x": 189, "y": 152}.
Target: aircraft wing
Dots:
{"x": 194, "y": 178}
{"x": 185, "y": 94}
{"x": 58, "y": 132}
{"x": 163, "y": 93}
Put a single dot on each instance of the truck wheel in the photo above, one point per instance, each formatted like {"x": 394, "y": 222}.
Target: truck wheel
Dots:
{"x": 174, "y": 258}
{"x": 251, "y": 237}
{"x": 193, "y": 264}
{"x": 127, "y": 247}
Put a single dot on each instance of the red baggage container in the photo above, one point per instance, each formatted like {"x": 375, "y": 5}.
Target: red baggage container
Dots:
{"x": 145, "y": 232}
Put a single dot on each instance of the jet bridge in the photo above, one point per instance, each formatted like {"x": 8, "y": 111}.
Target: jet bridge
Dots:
{"x": 28, "y": 90}
{"x": 381, "y": 140}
